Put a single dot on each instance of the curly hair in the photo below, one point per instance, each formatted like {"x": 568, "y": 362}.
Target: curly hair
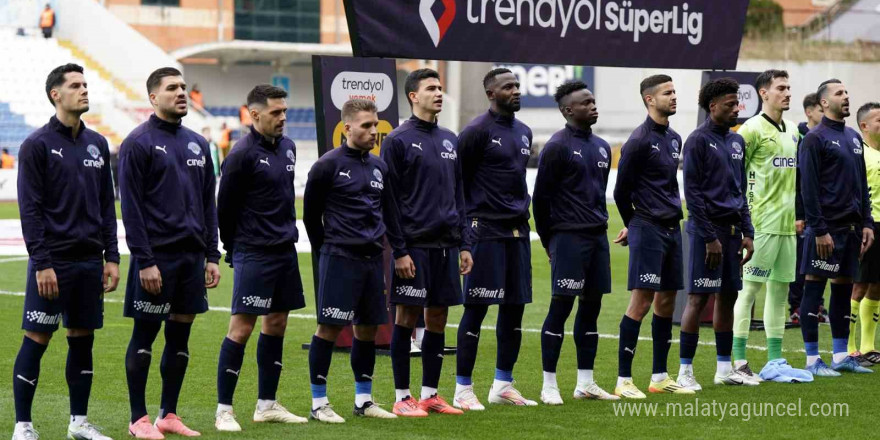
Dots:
{"x": 715, "y": 88}
{"x": 567, "y": 88}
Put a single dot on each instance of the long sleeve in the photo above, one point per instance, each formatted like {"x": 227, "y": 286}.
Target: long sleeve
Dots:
{"x": 809, "y": 166}
{"x": 693, "y": 193}
{"x": 798, "y": 198}
{"x": 627, "y": 172}
{"x": 459, "y": 205}
{"x": 470, "y": 148}
{"x": 471, "y": 142}
{"x": 212, "y": 253}
{"x": 391, "y": 152}
{"x": 545, "y": 189}
{"x": 108, "y": 211}
{"x": 32, "y": 163}
{"x": 867, "y": 220}
{"x": 314, "y": 201}
{"x": 133, "y": 168}
{"x": 230, "y": 198}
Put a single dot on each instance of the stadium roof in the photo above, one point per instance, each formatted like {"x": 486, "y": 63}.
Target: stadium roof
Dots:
{"x": 861, "y": 22}
{"x": 260, "y": 51}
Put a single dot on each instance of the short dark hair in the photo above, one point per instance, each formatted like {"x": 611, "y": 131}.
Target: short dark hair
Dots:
{"x": 6, "y": 150}
{"x": 567, "y": 88}
{"x": 648, "y": 84}
{"x": 811, "y": 100}
{"x": 355, "y": 106}
{"x": 155, "y": 78}
{"x": 415, "y": 78}
{"x": 490, "y": 77}
{"x": 261, "y": 94}
{"x": 865, "y": 109}
{"x": 56, "y": 78}
{"x": 823, "y": 88}
{"x": 766, "y": 78}
{"x": 715, "y": 88}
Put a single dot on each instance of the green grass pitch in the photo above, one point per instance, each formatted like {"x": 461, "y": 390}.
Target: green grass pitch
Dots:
{"x": 109, "y": 399}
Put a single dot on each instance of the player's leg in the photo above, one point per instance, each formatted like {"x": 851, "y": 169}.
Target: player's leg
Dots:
{"x": 340, "y": 286}
{"x": 869, "y": 315}
{"x": 481, "y": 288}
{"x": 405, "y": 320}
{"x": 651, "y": 252}
{"x": 433, "y": 345}
{"x": 855, "y": 302}
{"x": 184, "y": 277}
{"x": 232, "y": 349}
{"x": 814, "y": 287}
{"x": 552, "y": 336}
{"x": 148, "y": 311}
{"x": 409, "y": 297}
{"x": 320, "y": 355}
{"x": 796, "y": 288}
{"x": 723, "y": 313}
{"x": 284, "y": 283}
{"x": 369, "y": 313}
{"x": 445, "y": 291}
{"x": 703, "y": 281}
{"x": 82, "y": 316}
{"x": 841, "y": 293}
{"x": 742, "y": 318}
{"x": 508, "y": 329}
{"x": 40, "y": 320}
{"x": 567, "y": 265}
{"x": 586, "y": 341}
{"x": 869, "y": 307}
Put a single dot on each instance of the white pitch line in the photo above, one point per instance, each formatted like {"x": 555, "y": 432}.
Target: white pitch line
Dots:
{"x": 484, "y": 327}
{"x": 11, "y": 259}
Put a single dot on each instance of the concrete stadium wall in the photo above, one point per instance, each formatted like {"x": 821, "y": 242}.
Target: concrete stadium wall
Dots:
{"x": 230, "y": 87}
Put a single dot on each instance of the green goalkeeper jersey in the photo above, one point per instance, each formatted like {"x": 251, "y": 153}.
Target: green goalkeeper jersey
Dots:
{"x": 872, "y": 165}
{"x": 771, "y": 170}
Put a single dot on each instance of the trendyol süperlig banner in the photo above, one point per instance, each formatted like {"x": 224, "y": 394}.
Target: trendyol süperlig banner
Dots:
{"x": 690, "y": 34}
{"x": 339, "y": 79}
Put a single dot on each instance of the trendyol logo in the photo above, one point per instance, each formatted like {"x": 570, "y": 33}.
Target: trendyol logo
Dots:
{"x": 437, "y": 27}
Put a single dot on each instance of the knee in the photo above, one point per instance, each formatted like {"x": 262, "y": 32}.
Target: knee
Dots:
{"x": 365, "y": 332}
{"x": 39, "y": 337}
{"x": 274, "y": 324}
{"x": 859, "y": 291}
{"x": 874, "y": 292}
{"x": 435, "y": 319}
{"x": 328, "y": 332}
{"x": 185, "y": 319}
{"x": 407, "y": 316}
{"x": 240, "y": 331}
{"x": 79, "y": 332}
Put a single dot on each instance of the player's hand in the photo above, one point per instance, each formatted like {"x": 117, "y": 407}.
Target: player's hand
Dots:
{"x": 405, "y": 268}
{"x": 799, "y": 227}
{"x": 867, "y": 241}
{"x": 467, "y": 262}
{"x": 549, "y": 257}
{"x": 110, "y": 279}
{"x": 47, "y": 283}
{"x": 212, "y": 275}
{"x": 713, "y": 254}
{"x": 151, "y": 280}
{"x": 622, "y": 237}
{"x": 825, "y": 246}
{"x": 749, "y": 246}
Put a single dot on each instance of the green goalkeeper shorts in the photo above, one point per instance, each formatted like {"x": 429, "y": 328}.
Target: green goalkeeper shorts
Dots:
{"x": 775, "y": 259}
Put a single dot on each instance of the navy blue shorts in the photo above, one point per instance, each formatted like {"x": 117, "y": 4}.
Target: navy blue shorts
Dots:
{"x": 502, "y": 272}
{"x": 655, "y": 257}
{"x": 580, "y": 263}
{"x": 351, "y": 290}
{"x": 183, "y": 287}
{"x": 437, "y": 282}
{"x": 727, "y": 277}
{"x": 844, "y": 261}
{"x": 80, "y": 298}
{"x": 265, "y": 281}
